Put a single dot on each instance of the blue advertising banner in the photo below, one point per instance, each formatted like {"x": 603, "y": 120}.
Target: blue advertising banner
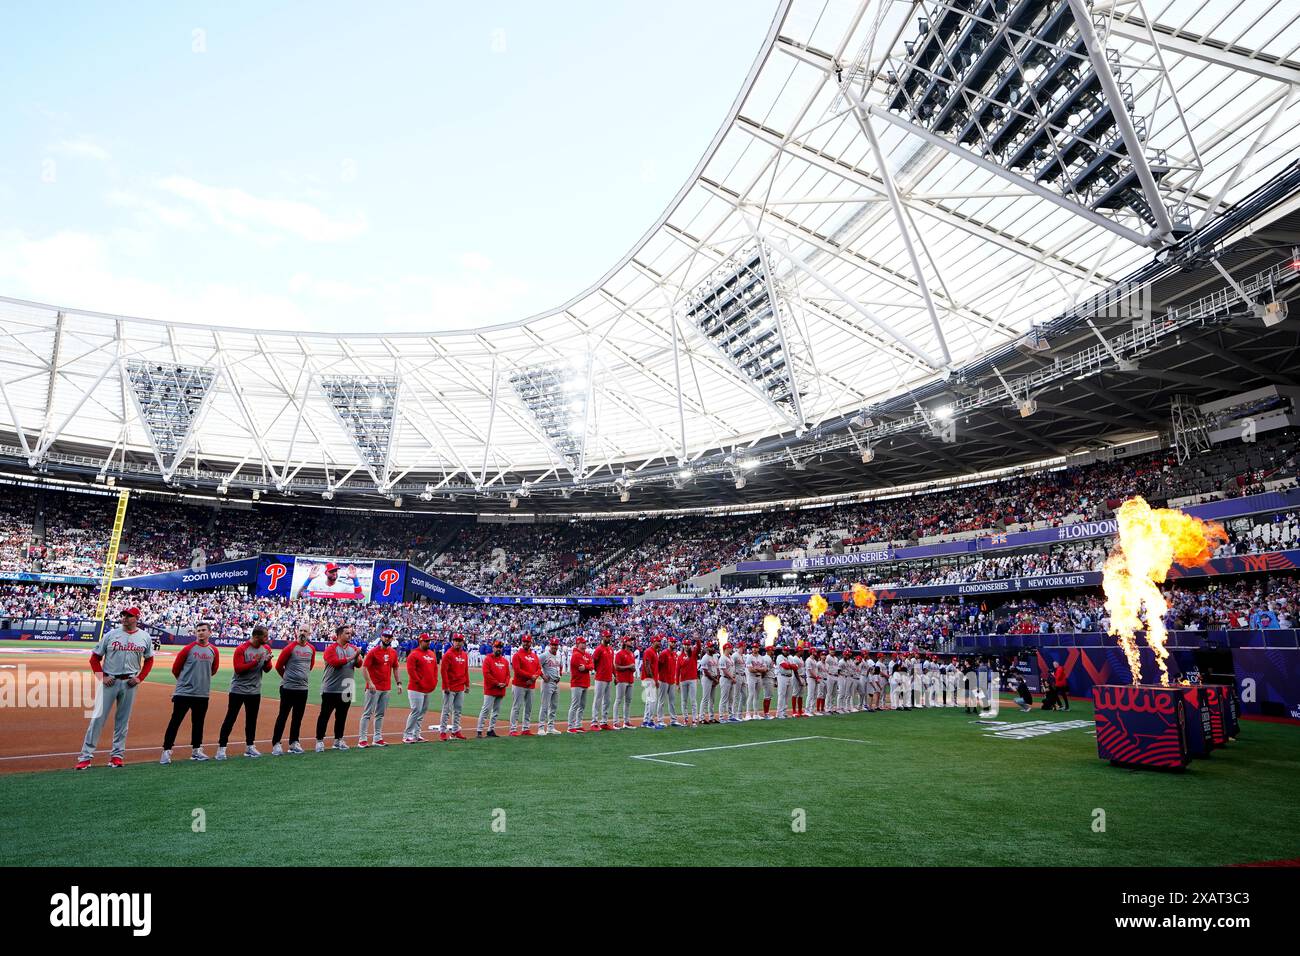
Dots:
{"x": 275, "y": 575}
{"x": 1077, "y": 531}
{"x": 420, "y": 584}
{"x": 222, "y": 574}
{"x": 32, "y": 577}
{"x": 593, "y": 600}
{"x": 389, "y": 582}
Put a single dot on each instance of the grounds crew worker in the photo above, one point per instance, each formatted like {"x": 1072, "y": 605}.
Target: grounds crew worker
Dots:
{"x": 123, "y": 657}
{"x": 496, "y": 678}
{"x": 193, "y": 668}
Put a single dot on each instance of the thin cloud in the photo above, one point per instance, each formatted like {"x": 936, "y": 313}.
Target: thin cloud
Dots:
{"x": 82, "y": 146}
{"x": 244, "y": 214}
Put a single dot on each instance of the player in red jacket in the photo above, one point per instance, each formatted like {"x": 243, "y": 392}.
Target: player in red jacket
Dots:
{"x": 496, "y": 678}
{"x": 527, "y": 671}
{"x": 580, "y": 671}
{"x": 650, "y": 683}
{"x": 602, "y": 659}
{"x": 421, "y": 681}
{"x": 624, "y": 675}
{"x": 455, "y": 681}
{"x": 688, "y": 677}
{"x": 380, "y": 667}
{"x": 667, "y": 690}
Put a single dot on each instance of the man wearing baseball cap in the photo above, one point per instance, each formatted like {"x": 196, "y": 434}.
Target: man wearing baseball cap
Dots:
{"x": 552, "y": 664}
{"x": 624, "y": 675}
{"x": 666, "y": 715}
{"x": 380, "y": 667}
{"x": 496, "y": 678}
{"x": 738, "y": 679}
{"x": 455, "y": 681}
{"x": 650, "y": 683}
{"x": 602, "y": 661}
{"x": 421, "y": 682}
{"x": 122, "y": 659}
{"x": 580, "y": 668}
{"x": 527, "y": 669}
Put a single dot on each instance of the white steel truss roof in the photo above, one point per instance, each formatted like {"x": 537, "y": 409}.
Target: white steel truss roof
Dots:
{"x": 894, "y": 258}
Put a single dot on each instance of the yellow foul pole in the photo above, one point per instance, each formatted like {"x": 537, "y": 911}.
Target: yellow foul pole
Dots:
{"x": 110, "y": 559}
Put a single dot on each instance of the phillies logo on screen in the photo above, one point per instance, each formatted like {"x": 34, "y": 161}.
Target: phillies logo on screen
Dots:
{"x": 389, "y": 577}
{"x": 275, "y": 572}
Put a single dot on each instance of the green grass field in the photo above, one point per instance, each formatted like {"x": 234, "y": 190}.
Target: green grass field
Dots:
{"x": 908, "y": 788}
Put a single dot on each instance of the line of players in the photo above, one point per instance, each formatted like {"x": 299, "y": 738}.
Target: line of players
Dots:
{"x": 683, "y": 684}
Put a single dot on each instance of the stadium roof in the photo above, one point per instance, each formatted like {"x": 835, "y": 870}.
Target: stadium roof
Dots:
{"x": 899, "y": 191}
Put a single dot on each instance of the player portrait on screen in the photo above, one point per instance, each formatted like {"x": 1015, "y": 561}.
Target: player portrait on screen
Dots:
{"x": 326, "y": 578}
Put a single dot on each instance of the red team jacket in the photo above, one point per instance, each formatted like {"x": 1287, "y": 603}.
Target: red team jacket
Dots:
{"x": 527, "y": 668}
{"x": 688, "y": 666}
{"x": 649, "y": 664}
{"x": 455, "y": 670}
{"x": 496, "y": 675}
{"x": 603, "y": 660}
{"x": 666, "y": 667}
{"x": 580, "y": 666}
{"x": 381, "y": 665}
{"x": 422, "y": 671}
{"x": 624, "y": 659}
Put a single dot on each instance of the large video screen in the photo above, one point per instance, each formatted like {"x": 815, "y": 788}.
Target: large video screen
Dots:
{"x": 331, "y": 578}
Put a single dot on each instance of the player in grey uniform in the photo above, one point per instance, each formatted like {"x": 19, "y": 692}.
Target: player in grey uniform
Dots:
{"x": 726, "y": 683}
{"x": 755, "y": 667}
{"x": 738, "y": 678}
{"x": 707, "y": 711}
{"x": 864, "y": 681}
{"x": 124, "y": 657}
{"x": 769, "y": 682}
{"x": 784, "y": 681}
{"x": 193, "y": 667}
{"x": 551, "y": 668}
{"x": 831, "y": 679}
{"x": 848, "y": 682}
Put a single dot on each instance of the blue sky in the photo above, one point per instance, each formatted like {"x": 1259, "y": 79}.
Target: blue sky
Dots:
{"x": 348, "y": 166}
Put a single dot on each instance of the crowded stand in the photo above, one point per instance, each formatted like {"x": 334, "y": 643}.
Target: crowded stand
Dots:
{"x": 55, "y": 532}
{"x": 1255, "y": 602}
